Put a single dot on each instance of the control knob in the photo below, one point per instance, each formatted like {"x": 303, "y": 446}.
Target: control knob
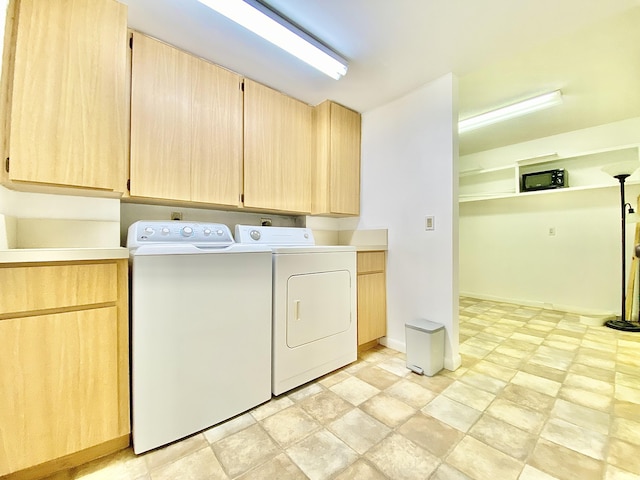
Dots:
{"x": 255, "y": 234}
{"x": 187, "y": 231}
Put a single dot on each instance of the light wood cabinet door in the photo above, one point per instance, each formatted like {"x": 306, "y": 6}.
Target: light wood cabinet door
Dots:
{"x": 160, "y": 120}
{"x": 216, "y": 135}
{"x": 68, "y": 116}
{"x": 278, "y": 150}
{"x": 372, "y": 296}
{"x": 372, "y": 307}
{"x": 64, "y": 364}
{"x": 336, "y": 183}
{"x": 345, "y": 160}
{"x": 58, "y": 385}
{"x": 186, "y": 126}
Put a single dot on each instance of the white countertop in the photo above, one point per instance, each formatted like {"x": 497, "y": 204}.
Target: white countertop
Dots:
{"x": 371, "y": 248}
{"x": 365, "y": 240}
{"x": 28, "y": 255}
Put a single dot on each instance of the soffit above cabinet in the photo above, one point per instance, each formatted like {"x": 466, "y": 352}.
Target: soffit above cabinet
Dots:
{"x": 395, "y": 47}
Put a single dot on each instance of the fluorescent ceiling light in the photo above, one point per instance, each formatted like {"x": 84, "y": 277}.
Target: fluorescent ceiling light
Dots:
{"x": 511, "y": 111}
{"x": 263, "y": 21}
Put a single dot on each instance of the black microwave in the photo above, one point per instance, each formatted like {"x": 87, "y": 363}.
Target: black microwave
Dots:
{"x": 544, "y": 180}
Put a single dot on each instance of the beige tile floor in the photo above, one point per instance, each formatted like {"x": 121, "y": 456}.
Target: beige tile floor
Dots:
{"x": 539, "y": 396}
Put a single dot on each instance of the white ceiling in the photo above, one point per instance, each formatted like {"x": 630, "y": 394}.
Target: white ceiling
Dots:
{"x": 501, "y": 51}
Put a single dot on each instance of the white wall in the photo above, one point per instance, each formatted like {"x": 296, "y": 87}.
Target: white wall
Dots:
{"x": 409, "y": 170}
{"x": 132, "y": 212}
{"x": 506, "y": 252}
{"x": 38, "y": 220}
{"x": 43, "y": 205}
{"x": 105, "y": 212}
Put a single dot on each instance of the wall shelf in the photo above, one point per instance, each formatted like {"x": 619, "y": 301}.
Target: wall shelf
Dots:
{"x": 557, "y": 191}
{"x": 584, "y": 172}
{"x": 484, "y": 171}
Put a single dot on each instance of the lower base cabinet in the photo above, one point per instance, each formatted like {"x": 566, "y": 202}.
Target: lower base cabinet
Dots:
{"x": 64, "y": 381}
{"x": 372, "y": 298}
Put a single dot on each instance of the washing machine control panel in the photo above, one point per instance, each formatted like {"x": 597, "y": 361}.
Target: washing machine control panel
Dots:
{"x": 197, "y": 233}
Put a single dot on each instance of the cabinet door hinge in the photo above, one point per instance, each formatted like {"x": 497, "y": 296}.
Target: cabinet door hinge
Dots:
{"x": 242, "y": 85}
{"x": 6, "y": 164}
{"x": 129, "y": 184}
{"x": 131, "y": 42}
{"x": 242, "y": 198}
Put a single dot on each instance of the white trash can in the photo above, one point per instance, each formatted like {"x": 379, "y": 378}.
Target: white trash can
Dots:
{"x": 425, "y": 346}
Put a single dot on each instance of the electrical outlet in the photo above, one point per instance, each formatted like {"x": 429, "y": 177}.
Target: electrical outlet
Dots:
{"x": 265, "y": 222}
{"x": 430, "y": 222}
{"x": 176, "y": 215}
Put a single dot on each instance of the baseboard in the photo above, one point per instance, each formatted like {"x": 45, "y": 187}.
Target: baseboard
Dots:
{"x": 393, "y": 344}
{"x": 70, "y": 461}
{"x": 544, "y": 305}
{"x": 367, "y": 346}
{"x": 453, "y": 363}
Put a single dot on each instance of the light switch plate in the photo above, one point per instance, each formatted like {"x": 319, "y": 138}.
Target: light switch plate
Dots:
{"x": 430, "y": 222}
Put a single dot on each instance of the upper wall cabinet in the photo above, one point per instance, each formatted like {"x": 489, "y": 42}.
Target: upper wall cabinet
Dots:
{"x": 64, "y": 94}
{"x": 336, "y": 186}
{"x": 278, "y": 150}
{"x": 186, "y": 126}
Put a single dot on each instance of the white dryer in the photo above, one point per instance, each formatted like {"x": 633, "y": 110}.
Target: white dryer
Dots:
{"x": 314, "y": 304}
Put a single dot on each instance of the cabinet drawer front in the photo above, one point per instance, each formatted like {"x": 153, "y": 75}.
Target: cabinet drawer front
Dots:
{"x": 371, "y": 262}
{"x": 58, "y": 385}
{"x": 34, "y": 288}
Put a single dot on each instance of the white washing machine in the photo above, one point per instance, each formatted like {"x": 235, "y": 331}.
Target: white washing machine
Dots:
{"x": 314, "y": 304}
{"x": 200, "y": 329}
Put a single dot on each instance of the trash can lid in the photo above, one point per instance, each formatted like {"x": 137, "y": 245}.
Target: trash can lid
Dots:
{"x": 424, "y": 325}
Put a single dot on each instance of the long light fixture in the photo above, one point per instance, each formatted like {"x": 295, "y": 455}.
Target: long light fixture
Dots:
{"x": 511, "y": 111}
{"x": 260, "y": 19}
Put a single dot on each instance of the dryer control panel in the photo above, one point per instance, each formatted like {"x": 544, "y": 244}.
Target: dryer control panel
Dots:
{"x": 274, "y": 236}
